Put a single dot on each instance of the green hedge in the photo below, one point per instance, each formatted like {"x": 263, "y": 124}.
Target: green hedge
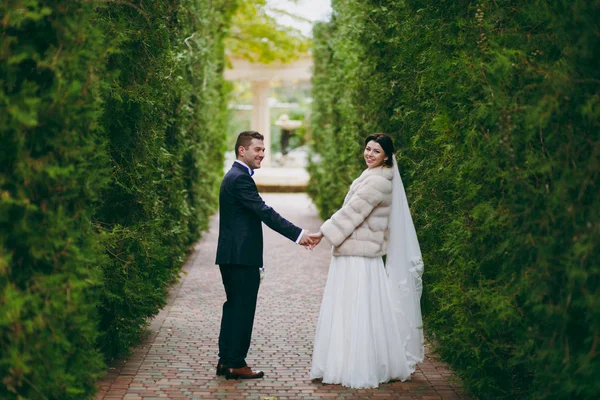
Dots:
{"x": 111, "y": 139}
{"x": 494, "y": 108}
{"x": 163, "y": 117}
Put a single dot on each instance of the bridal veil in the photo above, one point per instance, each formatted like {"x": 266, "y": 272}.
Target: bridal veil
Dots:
{"x": 404, "y": 266}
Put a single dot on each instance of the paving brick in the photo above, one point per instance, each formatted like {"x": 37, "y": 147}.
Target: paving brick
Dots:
{"x": 177, "y": 359}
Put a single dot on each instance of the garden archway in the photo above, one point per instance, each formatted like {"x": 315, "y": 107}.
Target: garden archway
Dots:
{"x": 260, "y": 75}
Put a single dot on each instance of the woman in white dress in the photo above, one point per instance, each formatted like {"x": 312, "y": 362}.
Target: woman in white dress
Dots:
{"x": 369, "y": 328}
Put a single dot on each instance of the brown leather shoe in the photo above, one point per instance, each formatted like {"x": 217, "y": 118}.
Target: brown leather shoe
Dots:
{"x": 243, "y": 373}
{"x": 221, "y": 370}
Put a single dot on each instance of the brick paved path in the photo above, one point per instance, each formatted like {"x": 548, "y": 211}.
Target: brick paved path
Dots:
{"x": 177, "y": 361}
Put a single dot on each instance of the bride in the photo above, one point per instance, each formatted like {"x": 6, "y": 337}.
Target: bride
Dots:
{"x": 369, "y": 328}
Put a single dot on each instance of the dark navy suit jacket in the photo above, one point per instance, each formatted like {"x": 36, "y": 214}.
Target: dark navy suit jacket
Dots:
{"x": 241, "y": 211}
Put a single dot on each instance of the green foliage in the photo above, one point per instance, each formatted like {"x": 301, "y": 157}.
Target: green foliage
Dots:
{"x": 256, "y": 36}
{"x": 164, "y": 121}
{"x": 494, "y": 108}
{"x": 53, "y": 167}
{"x": 111, "y": 145}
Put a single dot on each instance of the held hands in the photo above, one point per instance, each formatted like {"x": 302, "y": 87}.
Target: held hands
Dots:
{"x": 316, "y": 239}
{"x": 310, "y": 240}
{"x": 306, "y": 241}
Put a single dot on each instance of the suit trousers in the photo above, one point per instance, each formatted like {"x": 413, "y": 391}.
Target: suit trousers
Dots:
{"x": 241, "y": 284}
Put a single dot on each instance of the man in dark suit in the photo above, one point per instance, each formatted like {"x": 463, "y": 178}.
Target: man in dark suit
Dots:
{"x": 240, "y": 253}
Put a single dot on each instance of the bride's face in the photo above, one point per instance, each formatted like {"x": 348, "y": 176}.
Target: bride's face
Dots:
{"x": 374, "y": 154}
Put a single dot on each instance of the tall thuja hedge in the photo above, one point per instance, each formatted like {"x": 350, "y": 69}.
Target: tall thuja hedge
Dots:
{"x": 111, "y": 142}
{"x": 52, "y": 168}
{"x": 163, "y": 118}
{"x": 494, "y": 108}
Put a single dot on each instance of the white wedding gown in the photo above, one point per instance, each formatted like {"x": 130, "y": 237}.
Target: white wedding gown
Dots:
{"x": 360, "y": 339}
{"x": 370, "y": 325}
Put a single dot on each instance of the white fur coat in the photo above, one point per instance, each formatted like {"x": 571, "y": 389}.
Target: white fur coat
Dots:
{"x": 360, "y": 227}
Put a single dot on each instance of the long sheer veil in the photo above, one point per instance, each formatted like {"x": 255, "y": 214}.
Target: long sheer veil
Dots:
{"x": 404, "y": 266}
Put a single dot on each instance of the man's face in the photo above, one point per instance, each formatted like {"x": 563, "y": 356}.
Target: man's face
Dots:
{"x": 253, "y": 155}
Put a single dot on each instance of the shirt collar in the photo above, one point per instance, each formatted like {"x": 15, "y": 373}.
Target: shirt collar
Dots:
{"x": 250, "y": 171}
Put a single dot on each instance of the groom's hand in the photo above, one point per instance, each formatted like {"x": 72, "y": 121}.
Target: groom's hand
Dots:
{"x": 306, "y": 241}
{"x": 316, "y": 239}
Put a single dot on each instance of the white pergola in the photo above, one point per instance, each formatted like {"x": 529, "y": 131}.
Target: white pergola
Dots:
{"x": 260, "y": 75}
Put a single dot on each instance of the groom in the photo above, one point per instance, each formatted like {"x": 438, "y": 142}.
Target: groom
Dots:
{"x": 240, "y": 253}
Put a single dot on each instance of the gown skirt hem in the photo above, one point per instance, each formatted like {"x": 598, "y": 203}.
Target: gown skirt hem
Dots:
{"x": 359, "y": 339}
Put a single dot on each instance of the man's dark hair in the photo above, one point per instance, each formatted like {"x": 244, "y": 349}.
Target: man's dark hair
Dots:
{"x": 386, "y": 143}
{"x": 245, "y": 138}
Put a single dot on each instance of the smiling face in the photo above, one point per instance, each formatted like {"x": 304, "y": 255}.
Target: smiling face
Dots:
{"x": 374, "y": 154}
{"x": 253, "y": 155}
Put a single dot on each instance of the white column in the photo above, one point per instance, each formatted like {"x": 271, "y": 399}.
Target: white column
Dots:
{"x": 261, "y": 115}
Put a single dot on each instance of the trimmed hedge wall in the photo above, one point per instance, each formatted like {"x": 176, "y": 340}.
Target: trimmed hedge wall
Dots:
{"x": 494, "y": 108}
{"x": 111, "y": 139}
{"x": 53, "y": 170}
{"x": 163, "y": 117}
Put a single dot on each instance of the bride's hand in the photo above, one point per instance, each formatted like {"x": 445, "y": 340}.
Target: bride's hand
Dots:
{"x": 316, "y": 238}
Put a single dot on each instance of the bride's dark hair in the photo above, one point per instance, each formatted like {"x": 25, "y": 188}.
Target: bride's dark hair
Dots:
{"x": 386, "y": 143}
